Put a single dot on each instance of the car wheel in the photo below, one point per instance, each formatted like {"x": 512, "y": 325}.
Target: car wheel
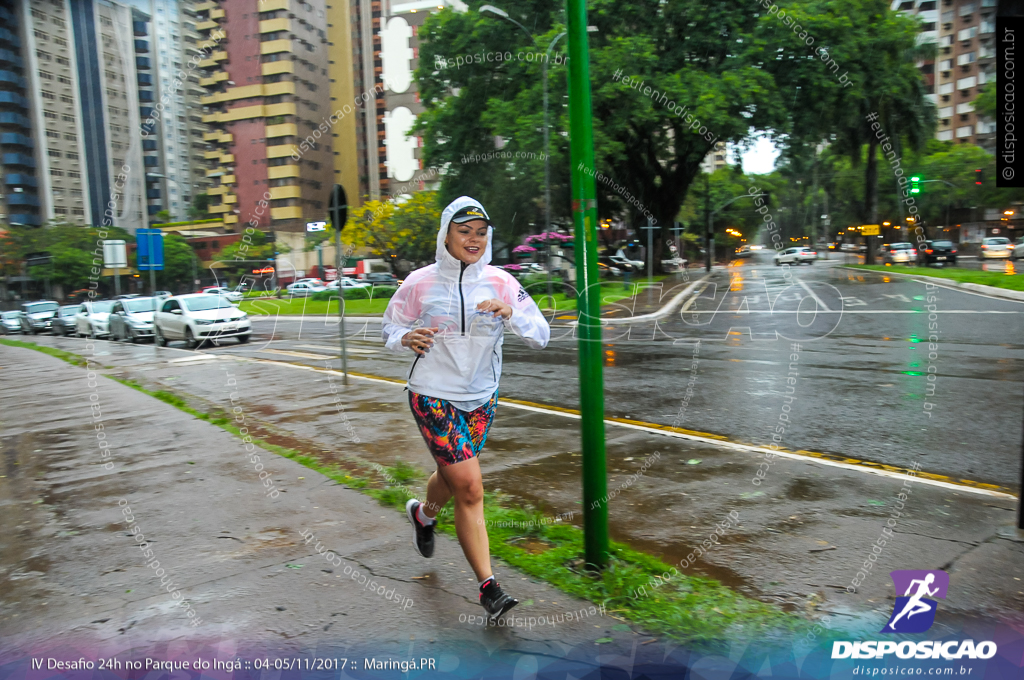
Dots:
{"x": 190, "y": 340}
{"x": 777, "y": 263}
{"x": 242, "y": 339}
{"x": 158, "y": 338}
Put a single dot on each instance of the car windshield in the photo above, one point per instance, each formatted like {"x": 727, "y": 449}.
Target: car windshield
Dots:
{"x": 36, "y": 307}
{"x": 103, "y": 306}
{"x": 901, "y": 246}
{"x": 9, "y": 315}
{"x": 996, "y": 241}
{"x": 146, "y": 304}
{"x": 942, "y": 244}
{"x": 69, "y": 310}
{"x": 202, "y": 304}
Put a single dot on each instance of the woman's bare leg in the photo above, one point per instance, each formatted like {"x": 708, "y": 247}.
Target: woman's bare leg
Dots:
{"x": 466, "y": 483}
{"x": 438, "y": 494}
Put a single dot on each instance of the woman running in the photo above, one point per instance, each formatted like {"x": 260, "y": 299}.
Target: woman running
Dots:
{"x": 452, "y": 315}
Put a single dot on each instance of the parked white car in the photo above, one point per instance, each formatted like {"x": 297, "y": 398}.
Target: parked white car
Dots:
{"x": 93, "y": 319}
{"x": 1018, "y": 249}
{"x": 132, "y": 319}
{"x": 995, "y": 247}
{"x": 797, "y": 255}
{"x": 304, "y": 288}
{"x": 199, "y": 317}
{"x": 232, "y": 295}
{"x": 348, "y": 284}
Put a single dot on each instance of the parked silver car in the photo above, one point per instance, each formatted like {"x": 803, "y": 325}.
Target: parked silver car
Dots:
{"x": 92, "y": 319}
{"x": 10, "y": 323}
{"x": 132, "y": 319}
{"x": 199, "y": 317}
{"x": 900, "y": 252}
{"x": 64, "y": 320}
{"x": 38, "y": 316}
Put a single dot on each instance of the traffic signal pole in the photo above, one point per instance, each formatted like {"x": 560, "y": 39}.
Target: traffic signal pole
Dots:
{"x": 584, "y": 213}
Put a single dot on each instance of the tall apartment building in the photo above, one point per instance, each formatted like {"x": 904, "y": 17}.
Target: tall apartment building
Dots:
{"x": 385, "y": 53}
{"x": 19, "y": 197}
{"x": 268, "y": 108}
{"x": 715, "y": 159}
{"x": 180, "y": 172}
{"x": 964, "y": 31}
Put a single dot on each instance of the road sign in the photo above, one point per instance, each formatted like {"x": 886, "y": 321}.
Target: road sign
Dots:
{"x": 150, "y": 254}
{"x": 316, "y": 226}
{"x": 869, "y": 229}
{"x": 115, "y": 255}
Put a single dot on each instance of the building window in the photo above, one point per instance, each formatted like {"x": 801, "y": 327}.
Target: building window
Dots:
{"x": 70, "y": 137}
{"x": 60, "y": 41}
{"x": 42, "y": 56}
{"x": 74, "y": 174}
{"x": 67, "y": 118}
{"x": 78, "y": 211}
{"x": 60, "y": 211}
{"x": 56, "y": 173}
{"x": 50, "y": 114}
{"x": 53, "y": 134}
{"x": 53, "y": 153}
{"x": 45, "y": 75}
{"x": 66, "y": 99}
{"x": 40, "y": 35}
{"x": 38, "y": 15}
{"x": 48, "y": 95}
{"x": 64, "y": 80}
{"x": 60, "y": 60}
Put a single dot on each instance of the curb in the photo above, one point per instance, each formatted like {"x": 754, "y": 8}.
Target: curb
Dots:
{"x": 988, "y": 291}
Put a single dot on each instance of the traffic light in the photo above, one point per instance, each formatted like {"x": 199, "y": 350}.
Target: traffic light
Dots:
{"x": 915, "y": 187}
{"x": 978, "y": 175}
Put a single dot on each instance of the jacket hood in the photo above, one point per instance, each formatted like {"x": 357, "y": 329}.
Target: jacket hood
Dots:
{"x": 446, "y": 262}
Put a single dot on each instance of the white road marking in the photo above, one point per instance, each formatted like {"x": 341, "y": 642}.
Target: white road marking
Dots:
{"x": 817, "y": 299}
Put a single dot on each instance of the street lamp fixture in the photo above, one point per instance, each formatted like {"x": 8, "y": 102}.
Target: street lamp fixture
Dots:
{"x": 1008, "y": 213}
{"x": 885, "y": 224}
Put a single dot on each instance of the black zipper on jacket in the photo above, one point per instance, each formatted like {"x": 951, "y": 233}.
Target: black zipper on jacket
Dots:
{"x": 418, "y": 357}
{"x": 462, "y": 301}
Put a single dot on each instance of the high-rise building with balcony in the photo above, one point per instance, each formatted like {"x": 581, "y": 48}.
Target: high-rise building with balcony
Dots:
{"x": 385, "y": 54}
{"x": 964, "y": 33}
{"x": 19, "y": 198}
{"x": 268, "y": 107}
{"x": 176, "y": 138}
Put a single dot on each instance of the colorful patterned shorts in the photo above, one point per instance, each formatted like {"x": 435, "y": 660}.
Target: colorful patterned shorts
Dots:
{"x": 452, "y": 435}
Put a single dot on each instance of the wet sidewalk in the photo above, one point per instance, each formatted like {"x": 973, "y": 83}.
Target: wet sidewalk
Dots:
{"x": 805, "y": 529}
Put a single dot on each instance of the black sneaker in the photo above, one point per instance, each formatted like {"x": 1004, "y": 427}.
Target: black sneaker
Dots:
{"x": 422, "y": 536}
{"x": 495, "y": 601}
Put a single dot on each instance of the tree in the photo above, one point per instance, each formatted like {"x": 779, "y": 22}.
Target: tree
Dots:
{"x": 398, "y": 232}
{"x": 883, "y": 105}
{"x": 669, "y": 79}
{"x": 199, "y": 210}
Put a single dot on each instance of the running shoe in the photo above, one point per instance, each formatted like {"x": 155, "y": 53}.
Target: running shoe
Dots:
{"x": 495, "y": 600}
{"x": 422, "y": 536}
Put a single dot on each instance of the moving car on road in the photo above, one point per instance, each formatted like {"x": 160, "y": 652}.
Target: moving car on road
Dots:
{"x": 348, "y": 284}
{"x": 10, "y": 323}
{"x": 936, "y": 252}
{"x": 199, "y": 317}
{"x": 232, "y": 295}
{"x": 132, "y": 319}
{"x": 379, "y": 278}
{"x": 1018, "y": 249}
{"x": 797, "y": 255}
{"x": 743, "y": 251}
{"x": 899, "y": 252}
{"x": 64, "y": 320}
{"x": 995, "y": 247}
{"x": 93, "y": 319}
{"x": 38, "y": 316}
{"x": 304, "y": 288}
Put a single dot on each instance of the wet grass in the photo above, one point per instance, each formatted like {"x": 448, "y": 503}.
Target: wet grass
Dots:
{"x": 994, "y": 279}
{"x": 698, "y": 611}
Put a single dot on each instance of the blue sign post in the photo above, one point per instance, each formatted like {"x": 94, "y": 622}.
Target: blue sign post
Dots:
{"x": 150, "y": 253}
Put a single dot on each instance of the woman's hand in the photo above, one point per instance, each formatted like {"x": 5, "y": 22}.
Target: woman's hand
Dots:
{"x": 495, "y": 306}
{"x": 420, "y": 339}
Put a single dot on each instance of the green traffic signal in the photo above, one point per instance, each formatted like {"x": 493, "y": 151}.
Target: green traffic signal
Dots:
{"x": 915, "y": 188}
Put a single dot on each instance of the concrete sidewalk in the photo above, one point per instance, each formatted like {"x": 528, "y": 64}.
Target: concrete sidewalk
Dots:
{"x": 804, "y": 532}
{"x": 229, "y": 544}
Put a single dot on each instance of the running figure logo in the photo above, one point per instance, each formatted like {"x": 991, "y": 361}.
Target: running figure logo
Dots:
{"x": 913, "y": 612}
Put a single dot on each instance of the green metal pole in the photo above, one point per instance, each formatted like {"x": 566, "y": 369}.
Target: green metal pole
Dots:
{"x": 584, "y": 212}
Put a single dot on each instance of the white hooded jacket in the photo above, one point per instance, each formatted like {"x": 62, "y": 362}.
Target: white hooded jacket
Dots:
{"x": 464, "y": 363}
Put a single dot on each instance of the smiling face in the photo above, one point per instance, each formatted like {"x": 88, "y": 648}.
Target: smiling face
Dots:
{"x": 467, "y": 241}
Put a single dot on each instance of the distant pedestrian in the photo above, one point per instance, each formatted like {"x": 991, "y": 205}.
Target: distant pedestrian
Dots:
{"x": 452, "y": 314}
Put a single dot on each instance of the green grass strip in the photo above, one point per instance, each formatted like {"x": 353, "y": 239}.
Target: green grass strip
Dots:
{"x": 698, "y": 611}
{"x": 994, "y": 279}
{"x": 72, "y": 359}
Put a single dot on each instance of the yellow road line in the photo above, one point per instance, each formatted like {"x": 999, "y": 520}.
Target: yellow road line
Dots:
{"x": 829, "y": 459}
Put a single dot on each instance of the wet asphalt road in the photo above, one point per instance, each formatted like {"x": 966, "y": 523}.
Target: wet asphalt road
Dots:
{"x": 861, "y": 385}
